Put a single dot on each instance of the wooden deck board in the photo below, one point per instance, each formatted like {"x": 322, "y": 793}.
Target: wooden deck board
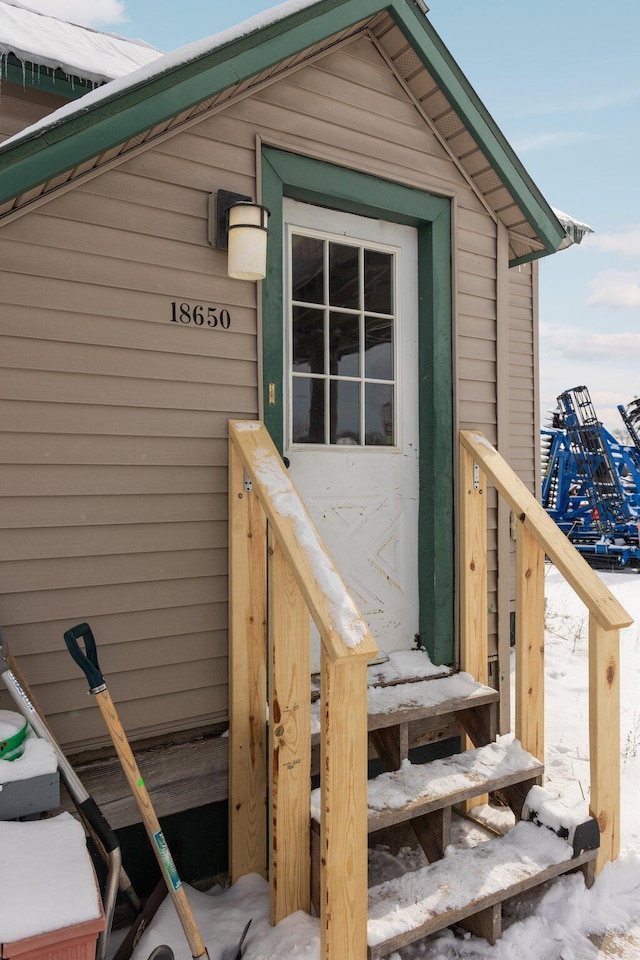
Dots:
{"x": 444, "y": 782}
{"x": 441, "y": 909}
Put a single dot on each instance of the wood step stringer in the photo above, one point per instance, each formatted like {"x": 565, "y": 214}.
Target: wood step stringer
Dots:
{"x": 480, "y": 723}
{"x": 486, "y": 923}
{"x": 469, "y": 883}
{"x": 433, "y": 832}
{"x": 391, "y": 745}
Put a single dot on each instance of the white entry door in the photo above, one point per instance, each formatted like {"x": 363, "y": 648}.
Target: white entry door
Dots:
{"x": 351, "y": 405}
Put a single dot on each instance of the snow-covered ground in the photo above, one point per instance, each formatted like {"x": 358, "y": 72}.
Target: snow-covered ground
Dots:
{"x": 566, "y": 921}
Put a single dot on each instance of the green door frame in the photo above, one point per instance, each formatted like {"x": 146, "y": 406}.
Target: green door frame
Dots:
{"x": 302, "y": 178}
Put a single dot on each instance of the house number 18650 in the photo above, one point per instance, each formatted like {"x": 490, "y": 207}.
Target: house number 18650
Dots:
{"x": 200, "y": 315}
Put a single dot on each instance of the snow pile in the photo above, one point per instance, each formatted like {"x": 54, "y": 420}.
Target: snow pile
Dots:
{"x": 563, "y": 921}
{"x": 545, "y": 808}
{"x": 221, "y": 916}
{"x": 38, "y": 758}
{"x": 47, "y": 879}
{"x": 407, "y": 665}
{"x": 78, "y": 51}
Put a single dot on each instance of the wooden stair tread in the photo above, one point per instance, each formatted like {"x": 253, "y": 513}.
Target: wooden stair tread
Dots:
{"x": 404, "y": 702}
{"x": 404, "y": 666}
{"x": 416, "y": 789}
{"x": 466, "y": 882}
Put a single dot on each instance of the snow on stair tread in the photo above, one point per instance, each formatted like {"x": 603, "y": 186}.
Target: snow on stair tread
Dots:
{"x": 416, "y": 699}
{"x": 418, "y": 788}
{"x": 463, "y": 878}
{"x": 427, "y": 697}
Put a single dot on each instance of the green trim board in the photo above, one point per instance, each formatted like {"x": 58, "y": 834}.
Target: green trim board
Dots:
{"x": 36, "y": 77}
{"x": 486, "y": 132}
{"x": 119, "y": 114}
{"x": 302, "y": 178}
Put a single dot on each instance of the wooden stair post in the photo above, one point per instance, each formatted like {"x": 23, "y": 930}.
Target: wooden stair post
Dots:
{"x": 289, "y": 740}
{"x": 300, "y": 564}
{"x": 474, "y": 650}
{"x": 604, "y": 737}
{"x": 343, "y": 824}
{"x": 606, "y": 618}
{"x": 529, "y": 642}
{"x": 247, "y": 677}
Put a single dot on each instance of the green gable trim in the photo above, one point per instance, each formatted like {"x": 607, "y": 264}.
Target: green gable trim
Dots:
{"x": 111, "y": 121}
{"x": 37, "y": 77}
{"x": 481, "y": 124}
{"x": 125, "y": 114}
{"x": 528, "y": 258}
{"x": 301, "y": 178}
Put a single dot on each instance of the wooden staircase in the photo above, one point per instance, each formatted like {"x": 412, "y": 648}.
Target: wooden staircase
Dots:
{"x": 467, "y": 886}
{"x": 280, "y": 573}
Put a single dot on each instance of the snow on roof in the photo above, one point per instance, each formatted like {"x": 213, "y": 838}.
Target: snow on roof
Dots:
{"x": 45, "y": 41}
{"x": 575, "y": 229}
{"x": 169, "y": 61}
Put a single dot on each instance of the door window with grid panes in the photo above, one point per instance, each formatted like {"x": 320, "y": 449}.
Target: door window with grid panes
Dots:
{"x": 343, "y": 317}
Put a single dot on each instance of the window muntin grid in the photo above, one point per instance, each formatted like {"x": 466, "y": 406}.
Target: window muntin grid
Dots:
{"x": 343, "y": 327}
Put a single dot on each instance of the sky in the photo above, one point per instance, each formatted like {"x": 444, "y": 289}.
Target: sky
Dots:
{"x": 562, "y": 81}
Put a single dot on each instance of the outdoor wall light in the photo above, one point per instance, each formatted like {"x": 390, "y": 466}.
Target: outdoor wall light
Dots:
{"x": 239, "y": 225}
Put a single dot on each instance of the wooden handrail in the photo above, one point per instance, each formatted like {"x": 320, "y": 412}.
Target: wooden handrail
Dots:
{"x": 537, "y": 535}
{"x": 344, "y": 633}
{"x": 587, "y": 584}
{"x": 275, "y": 550}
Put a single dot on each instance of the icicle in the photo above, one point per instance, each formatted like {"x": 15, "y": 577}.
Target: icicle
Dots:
{"x": 24, "y": 75}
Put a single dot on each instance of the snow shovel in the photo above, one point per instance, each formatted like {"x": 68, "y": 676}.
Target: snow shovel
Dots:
{"x": 87, "y": 660}
{"x": 105, "y": 839}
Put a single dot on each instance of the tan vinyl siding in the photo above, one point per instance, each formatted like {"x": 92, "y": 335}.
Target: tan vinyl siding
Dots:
{"x": 22, "y": 106}
{"x": 114, "y": 419}
{"x": 114, "y": 452}
{"x": 523, "y": 440}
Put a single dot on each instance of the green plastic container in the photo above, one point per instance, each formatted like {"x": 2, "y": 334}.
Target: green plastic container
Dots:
{"x": 13, "y": 730}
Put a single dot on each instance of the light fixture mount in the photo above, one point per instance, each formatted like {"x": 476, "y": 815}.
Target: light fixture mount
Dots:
{"x": 219, "y": 219}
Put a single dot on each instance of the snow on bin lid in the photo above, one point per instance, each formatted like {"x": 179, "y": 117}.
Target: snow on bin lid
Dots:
{"x": 45, "y": 41}
{"x": 47, "y": 880}
{"x": 38, "y": 758}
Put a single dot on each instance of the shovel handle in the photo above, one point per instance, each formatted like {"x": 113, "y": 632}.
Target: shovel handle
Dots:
{"x": 87, "y": 660}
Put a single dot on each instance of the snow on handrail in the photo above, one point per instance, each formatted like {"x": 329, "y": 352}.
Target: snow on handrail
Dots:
{"x": 344, "y": 632}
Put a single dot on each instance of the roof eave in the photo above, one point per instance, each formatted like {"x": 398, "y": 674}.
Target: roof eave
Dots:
{"x": 39, "y": 158}
{"x": 484, "y": 129}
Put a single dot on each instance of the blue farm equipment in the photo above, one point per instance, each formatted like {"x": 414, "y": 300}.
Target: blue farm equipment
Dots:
{"x": 591, "y": 484}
